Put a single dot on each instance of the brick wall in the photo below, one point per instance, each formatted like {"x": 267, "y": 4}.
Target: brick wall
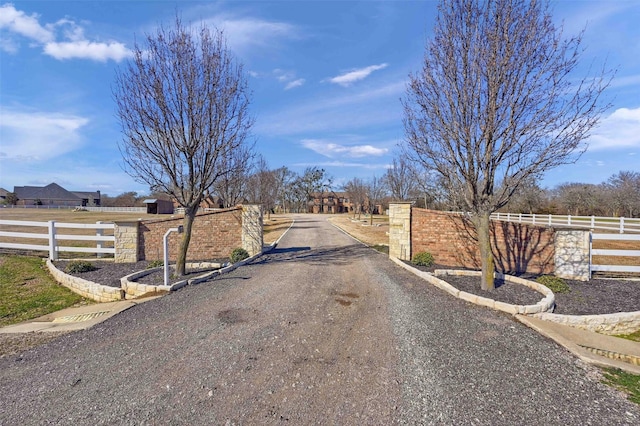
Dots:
{"x": 451, "y": 239}
{"x": 213, "y": 236}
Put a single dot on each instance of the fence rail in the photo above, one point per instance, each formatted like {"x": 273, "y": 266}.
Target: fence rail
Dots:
{"x": 54, "y": 238}
{"x": 614, "y": 252}
{"x": 617, "y": 224}
{"x": 115, "y": 209}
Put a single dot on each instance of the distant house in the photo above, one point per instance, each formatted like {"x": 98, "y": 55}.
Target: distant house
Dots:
{"x": 337, "y": 202}
{"x": 3, "y": 194}
{"x": 54, "y": 195}
{"x": 330, "y": 202}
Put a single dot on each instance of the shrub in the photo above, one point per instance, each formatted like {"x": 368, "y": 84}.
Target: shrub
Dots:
{"x": 422, "y": 259}
{"x": 555, "y": 284}
{"x": 238, "y": 254}
{"x": 78, "y": 266}
{"x": 155, "y": 264}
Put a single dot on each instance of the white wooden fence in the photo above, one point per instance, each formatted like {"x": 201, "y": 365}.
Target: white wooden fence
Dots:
{"x": 115, "y": 209}
{"x": 618, "y": 224}
{"x": 52, "y": 236}
{"x": 614, "y": 252}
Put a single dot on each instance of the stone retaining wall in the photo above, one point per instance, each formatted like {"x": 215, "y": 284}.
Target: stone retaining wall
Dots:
{"x": 611, "y": 324}
{"x": 88, "y": 289}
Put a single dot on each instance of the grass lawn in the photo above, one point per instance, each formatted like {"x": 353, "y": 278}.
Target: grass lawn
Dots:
{"x": 633, "y": 336}
{"x": 28, "y": 291}
{"x": 626, "y": 382}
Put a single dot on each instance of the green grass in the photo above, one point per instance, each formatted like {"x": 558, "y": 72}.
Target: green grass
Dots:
{"x": 27, "y": 290}
{"x": 633, "y": 336}
{"x": 382, "y": 248}
{"x": 626, "y": 382}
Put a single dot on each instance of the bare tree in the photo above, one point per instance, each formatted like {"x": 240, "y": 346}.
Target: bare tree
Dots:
{"x": 356, "y": 189}
{"x": 232, "y": 186}
{"x": 314, "y": 181}
{"x": 528, "y": 198}
{"x": 263, "y": 186}
{"x": 283, "y": 177}
{"x": 183, "y": 105}
{"x": 376, "y": 191}
{"x": 496, "y": 103}
{"x": 625, "y": 191}
{"x": 399, "y": 179}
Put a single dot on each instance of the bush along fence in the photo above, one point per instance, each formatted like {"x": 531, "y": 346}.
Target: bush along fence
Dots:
{"x": 214, "y": 236}
{"x": 517, "y": 247}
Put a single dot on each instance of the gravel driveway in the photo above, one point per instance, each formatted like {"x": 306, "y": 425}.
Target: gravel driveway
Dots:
{"x": 320, "y": 331}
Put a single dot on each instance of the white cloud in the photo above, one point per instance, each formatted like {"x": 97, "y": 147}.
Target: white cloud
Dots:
{"x": 83, "y": 49}
{"x": 363, "y": 109}
{"x": 63, "y": 39}
{"x": 295, "y": 83}
{"x": 344, "y": 164}
{"x": 288, "y": 77}
{"x": 39, "y": 136}
{"x": 621, "y": 129}
{"x": 331, "y": 150}
{"x": 356, "y": 75}
{"x": 244, "y": 33}
{"x": 20, "y": 23}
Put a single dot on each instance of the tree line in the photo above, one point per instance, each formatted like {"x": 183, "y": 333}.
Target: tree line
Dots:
{"x": 282, "y": 190}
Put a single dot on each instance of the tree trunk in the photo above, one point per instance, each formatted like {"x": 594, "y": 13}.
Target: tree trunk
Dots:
{"x": 189, "y": 216}
{"x": 482, "y": 224}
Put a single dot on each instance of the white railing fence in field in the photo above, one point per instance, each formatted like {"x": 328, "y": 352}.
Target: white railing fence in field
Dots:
{"x": 597, "y": 267}
{"x": 115, "y": 209}
{"x": 52, "y": 235}
{"x": 617, "y": 224}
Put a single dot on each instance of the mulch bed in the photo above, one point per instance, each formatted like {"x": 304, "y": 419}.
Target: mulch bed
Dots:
{"x": 109, "y": 273}
{"x": 595, "y": 297}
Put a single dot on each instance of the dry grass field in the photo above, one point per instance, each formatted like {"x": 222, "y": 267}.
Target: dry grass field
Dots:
{"x": 375, "y": 235}
{"x": 275, "y": 226}
{"x": 62, "y": 216}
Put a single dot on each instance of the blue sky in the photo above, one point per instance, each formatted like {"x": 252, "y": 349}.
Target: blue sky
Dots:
{"x": 326, "y": 78}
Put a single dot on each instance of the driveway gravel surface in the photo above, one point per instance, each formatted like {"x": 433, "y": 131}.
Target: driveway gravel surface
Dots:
{"x": 322, "y": 330}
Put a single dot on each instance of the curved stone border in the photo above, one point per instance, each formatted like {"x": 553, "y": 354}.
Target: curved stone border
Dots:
{"x": 610, "y": 324}
{"x": 130, "y": 289}
{"x": 545, "y": 305}
{"x": 85, "y": 288}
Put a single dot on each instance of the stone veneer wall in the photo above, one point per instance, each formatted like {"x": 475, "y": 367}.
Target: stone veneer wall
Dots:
{"x": 572, "y": 254}
{"x": 126, "y": 245}
{"x": 400, "y": 230}
{"x": 452, "y": 241}
{"x": 252, "y": 229}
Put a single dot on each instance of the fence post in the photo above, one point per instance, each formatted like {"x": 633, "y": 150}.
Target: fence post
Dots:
{"x": 622, "y": 225}
{"x": 549, "y": 219}
{"x": 99, "y": 233}
{"x": 53, "y": 254}
{"x": 593, "y": 221}
{"x": 534, "y": 218}
{"x": 569, "y": 219}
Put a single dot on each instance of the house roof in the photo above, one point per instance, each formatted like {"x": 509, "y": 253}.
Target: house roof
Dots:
{"x": 3, "y": 192}
{"x": 88, "y": 195}
{"x": 53, "y": 191}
